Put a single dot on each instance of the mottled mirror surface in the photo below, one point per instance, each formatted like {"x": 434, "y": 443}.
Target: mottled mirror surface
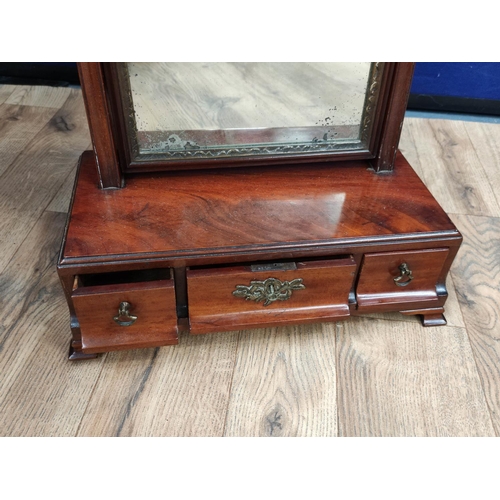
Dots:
{"x": 206, "y": 110}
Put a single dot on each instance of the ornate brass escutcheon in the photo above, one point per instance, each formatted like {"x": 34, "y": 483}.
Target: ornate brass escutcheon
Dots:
{"x": 269, "y": 290}
{"x": 404, "y": 274}
{"x": 124, "y": 318}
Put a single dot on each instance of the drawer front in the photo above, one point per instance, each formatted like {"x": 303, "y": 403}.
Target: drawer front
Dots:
{"x": 264, "y": 295}
{"x": 399, "y": 277}
{"x": 149, "y": 319}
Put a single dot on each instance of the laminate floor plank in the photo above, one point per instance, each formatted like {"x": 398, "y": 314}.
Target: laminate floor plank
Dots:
{"x": 32, "y": 180}
{"x": 171, "y": 391}
{"x": 409, "y": 148}
{"x": 19, "y": 281}
{"x": 18, "y": 126}
{"x": 5, "y": 92}
{"x": 62, "y": 199}
{"x": 41, "y": 393}
{"x": 450, "y": 166}
{"x": 477, "y": 275}
{"x": 485, "y": 138}
{"x": 49, "y": 394}
{"x": 398, "y": 379}
{"x": 39, "y": 96}
{"x": 284, "y": 383}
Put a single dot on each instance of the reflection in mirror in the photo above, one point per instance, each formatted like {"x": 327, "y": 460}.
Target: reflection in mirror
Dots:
{"x": 206, "y": 110}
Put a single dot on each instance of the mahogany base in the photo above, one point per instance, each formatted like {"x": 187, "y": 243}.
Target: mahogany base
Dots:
{"x": 220, "y": 250}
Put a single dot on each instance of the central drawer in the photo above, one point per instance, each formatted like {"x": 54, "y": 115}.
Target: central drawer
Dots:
{"x": 239, "y": 297}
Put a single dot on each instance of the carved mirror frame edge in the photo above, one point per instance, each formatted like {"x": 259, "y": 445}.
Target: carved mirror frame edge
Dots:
{"x": 108, "y": 128}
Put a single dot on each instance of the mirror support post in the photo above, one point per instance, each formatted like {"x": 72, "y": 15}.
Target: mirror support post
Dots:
{"x": 394, "y": 117}
{"x": 99, "y": 116}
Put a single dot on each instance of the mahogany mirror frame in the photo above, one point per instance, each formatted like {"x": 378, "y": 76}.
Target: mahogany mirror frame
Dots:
{"x": 106, "y": 118}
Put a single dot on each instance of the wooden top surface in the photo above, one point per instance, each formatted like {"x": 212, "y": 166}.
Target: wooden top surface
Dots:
{"x": 206, "y": 213}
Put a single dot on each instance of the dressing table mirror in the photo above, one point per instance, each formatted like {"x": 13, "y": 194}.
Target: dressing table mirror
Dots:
{"x": 226, "y": 196}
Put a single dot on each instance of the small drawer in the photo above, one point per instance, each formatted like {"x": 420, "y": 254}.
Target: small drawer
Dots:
{"x": 125, "y": 315}
{"x": 241, "y": 297}
{"x": 390, "y": 278}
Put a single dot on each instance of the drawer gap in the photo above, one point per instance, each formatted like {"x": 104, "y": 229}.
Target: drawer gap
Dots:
{"x": 124, "y": 277}
{"x": 276, "y": 262}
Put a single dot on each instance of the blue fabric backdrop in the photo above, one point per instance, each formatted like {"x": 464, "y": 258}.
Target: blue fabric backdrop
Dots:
{"x": 472, "y": 80}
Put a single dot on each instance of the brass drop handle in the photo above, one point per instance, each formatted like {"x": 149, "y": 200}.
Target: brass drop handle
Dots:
{"x": 124, "y": 318}
{"x": 404, "y": 274}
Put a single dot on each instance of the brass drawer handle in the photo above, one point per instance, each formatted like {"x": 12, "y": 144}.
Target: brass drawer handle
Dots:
{"x": 405, "y": 272}
{"x": 269, "y": 290}
{"x": 124, "y": 318}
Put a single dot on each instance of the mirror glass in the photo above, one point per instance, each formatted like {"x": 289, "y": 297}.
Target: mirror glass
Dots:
{"x": 207, "y": 110}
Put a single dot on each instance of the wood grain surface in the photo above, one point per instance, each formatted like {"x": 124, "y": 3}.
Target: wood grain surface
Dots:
{"x": 284, "y": 383}
{"x": 459, "y": 180}
{"x": 18, "y": 126}
{"x": 38, "y": 96}
{"x": 36, "y": 173}
{"x": 395, "y": 379}
{"x": 37, "y": 396}
{"x": 225, "y": 211}
{"x": 62, "y": 199}
{"x": 5, "y": 92}
{"x": 484, "y": 139}
{"x": 175, "y": 391}
{"x": 377, "y": 377}
{"x": 477, "y": 277}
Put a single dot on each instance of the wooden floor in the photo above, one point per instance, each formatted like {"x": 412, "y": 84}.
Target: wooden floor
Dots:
{"x": 371, "y": 376}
